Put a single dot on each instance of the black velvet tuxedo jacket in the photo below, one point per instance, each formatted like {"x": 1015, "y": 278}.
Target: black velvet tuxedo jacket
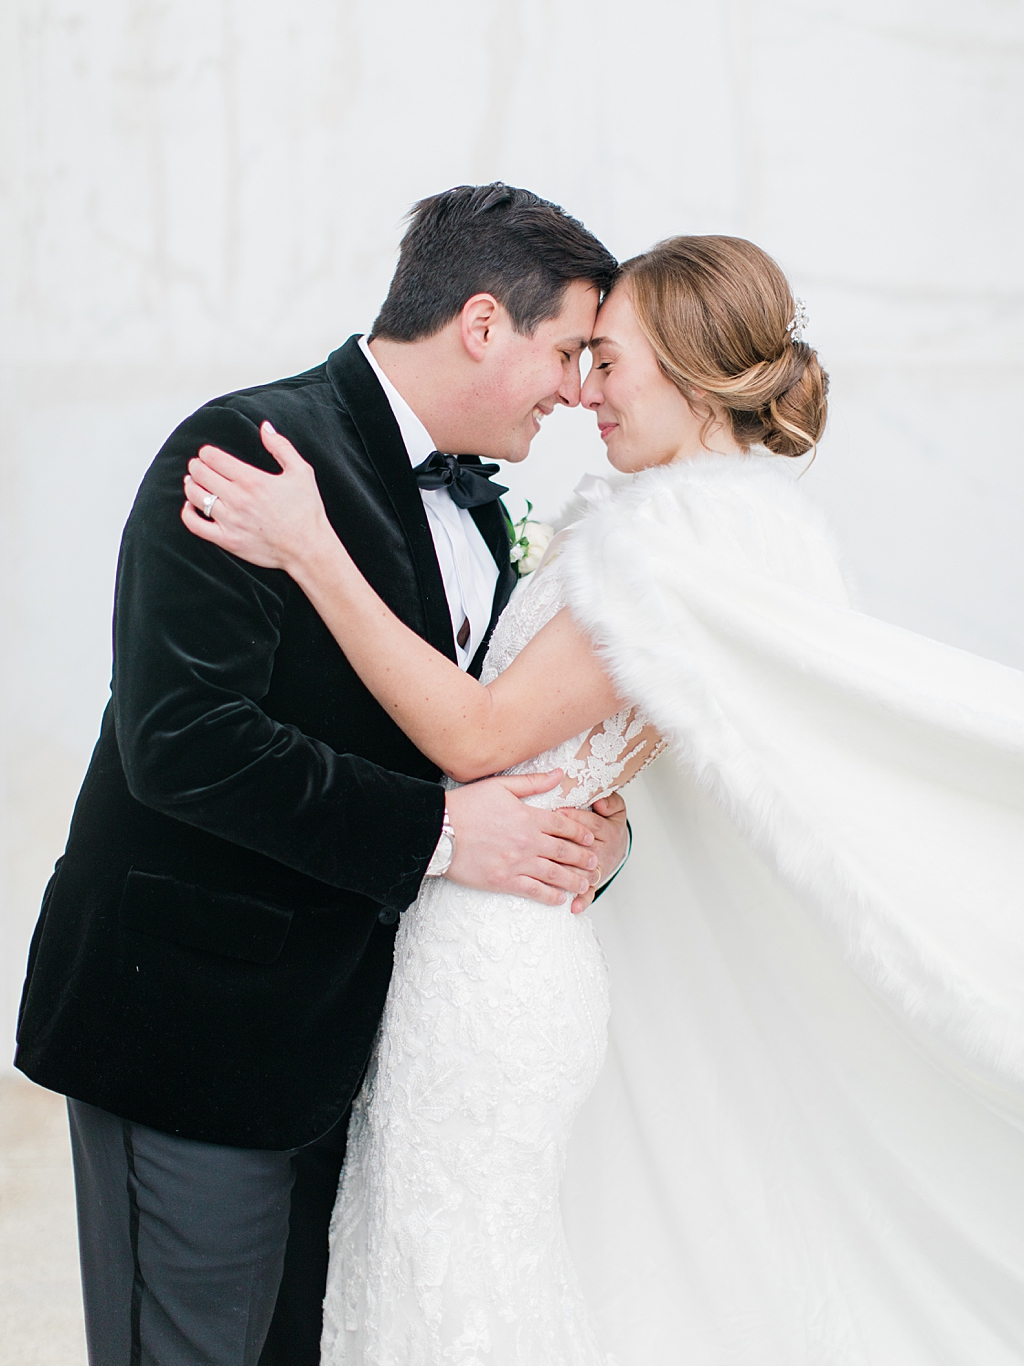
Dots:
{"x": 214, "y": 948}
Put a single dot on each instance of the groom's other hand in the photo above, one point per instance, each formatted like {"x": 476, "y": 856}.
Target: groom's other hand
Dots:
{"x": 606, "y": 821}
{"x": 503, "y": 845}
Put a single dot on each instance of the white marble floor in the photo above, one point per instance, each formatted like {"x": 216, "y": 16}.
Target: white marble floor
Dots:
{"x": 40, "y": 1301}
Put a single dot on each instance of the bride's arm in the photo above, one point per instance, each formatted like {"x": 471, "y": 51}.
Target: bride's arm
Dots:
{"x": 554, "y": 689}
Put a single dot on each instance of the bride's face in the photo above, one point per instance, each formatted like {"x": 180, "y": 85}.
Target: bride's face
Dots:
{"x": 643, "y": 418}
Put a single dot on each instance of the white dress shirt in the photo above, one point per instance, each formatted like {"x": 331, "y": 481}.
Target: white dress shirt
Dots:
{"x": 468, "y": 570}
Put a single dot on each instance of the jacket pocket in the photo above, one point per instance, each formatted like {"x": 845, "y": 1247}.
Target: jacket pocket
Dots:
{"x": 213, "y": 922}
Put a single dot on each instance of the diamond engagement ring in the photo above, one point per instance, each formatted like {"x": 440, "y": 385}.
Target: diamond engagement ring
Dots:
{"x": 208, "y": 503}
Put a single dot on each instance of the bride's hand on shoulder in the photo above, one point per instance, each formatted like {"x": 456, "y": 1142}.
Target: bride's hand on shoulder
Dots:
{"x": 272, "y": 520}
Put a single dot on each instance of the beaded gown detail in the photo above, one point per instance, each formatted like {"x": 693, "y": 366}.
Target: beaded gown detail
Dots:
{"x": 447, "y": 1243}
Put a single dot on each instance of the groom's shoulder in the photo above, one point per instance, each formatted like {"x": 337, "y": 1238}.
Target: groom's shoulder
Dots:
{"x": 308, "y": 407}
{"x": 310, "y": 391}
{"x": 306, "y": 386}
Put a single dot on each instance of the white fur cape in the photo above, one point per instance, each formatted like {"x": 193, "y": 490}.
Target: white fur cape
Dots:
{"x": 808, "y": 1144}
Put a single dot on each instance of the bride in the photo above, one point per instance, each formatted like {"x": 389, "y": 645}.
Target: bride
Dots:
{"x": 806, "y": 1145}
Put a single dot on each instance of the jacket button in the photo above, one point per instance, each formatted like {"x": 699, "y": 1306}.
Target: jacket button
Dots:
{"x": 387, "y": 915}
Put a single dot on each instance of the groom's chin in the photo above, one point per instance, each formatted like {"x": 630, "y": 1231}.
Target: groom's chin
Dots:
{"x": 509, "y": 443}
{"x": 511, "y": 452}
{"x": 518, "y": 446}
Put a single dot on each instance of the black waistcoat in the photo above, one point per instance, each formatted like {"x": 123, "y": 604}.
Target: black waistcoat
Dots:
{"x": 214, "y": 949}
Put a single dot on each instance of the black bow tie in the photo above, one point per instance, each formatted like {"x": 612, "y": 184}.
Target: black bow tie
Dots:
{"x": 469, "y": 485}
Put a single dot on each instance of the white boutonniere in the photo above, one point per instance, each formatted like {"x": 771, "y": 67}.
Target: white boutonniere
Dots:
{"x": 530, "y": 539}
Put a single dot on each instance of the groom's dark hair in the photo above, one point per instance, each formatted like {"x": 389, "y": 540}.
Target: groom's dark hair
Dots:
{"x": 488, "y": 239}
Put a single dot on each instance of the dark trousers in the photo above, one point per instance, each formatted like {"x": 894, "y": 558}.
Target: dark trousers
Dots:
{"x": 195, "y": 1254}
{"x": 294, "y": 1336}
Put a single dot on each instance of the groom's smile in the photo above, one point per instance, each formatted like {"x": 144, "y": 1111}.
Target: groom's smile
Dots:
{"x": 540, "y": 413}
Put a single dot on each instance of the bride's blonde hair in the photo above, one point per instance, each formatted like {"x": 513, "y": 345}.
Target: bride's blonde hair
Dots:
{"x": 719, "y": 314}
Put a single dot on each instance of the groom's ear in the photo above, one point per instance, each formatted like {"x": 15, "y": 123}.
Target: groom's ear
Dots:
{"x": 479, "y": 316}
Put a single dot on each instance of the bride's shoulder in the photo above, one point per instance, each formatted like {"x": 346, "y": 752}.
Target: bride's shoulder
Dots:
{"x": 706, "y": 492}
{"x": 745, "y": 510}
{"x": 709, "y": 479}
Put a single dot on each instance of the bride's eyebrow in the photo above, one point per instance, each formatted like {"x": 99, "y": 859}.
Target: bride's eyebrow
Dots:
{"x": 595, "y": 342}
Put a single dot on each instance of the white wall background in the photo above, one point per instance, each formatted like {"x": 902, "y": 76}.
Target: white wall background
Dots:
{"x": 207, "y": 193}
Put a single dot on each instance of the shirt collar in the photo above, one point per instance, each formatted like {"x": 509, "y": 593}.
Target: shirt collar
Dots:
{"x": 418, "y": 443}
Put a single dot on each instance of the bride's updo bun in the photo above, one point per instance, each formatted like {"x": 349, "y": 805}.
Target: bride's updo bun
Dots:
{"x": 719, "y": 314}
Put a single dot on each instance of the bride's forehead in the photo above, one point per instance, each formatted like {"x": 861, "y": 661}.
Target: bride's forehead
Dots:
{"x": 614, "y": 317}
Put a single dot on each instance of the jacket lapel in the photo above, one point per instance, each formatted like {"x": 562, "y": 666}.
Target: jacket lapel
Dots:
{"x": 369, "y": 409}
{"x": 491, "y": 521}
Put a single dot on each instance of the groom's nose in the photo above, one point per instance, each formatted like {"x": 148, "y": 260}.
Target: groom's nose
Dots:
{"x": 569, "y": 390}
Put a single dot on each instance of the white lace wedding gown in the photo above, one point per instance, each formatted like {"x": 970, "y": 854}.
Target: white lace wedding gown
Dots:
{"x": 807, "y": 1146}
{"x": 447, "y": 1243}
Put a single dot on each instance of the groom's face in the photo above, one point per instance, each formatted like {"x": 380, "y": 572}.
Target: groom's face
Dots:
{"x": 522, "y": 379}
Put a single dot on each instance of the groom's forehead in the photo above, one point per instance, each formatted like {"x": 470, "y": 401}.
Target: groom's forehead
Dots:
{"x": 577, "y": 317}
{"x": 573, "y": 341}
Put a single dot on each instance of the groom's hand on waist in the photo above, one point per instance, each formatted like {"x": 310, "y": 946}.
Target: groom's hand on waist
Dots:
{"x": 503, "y": 845}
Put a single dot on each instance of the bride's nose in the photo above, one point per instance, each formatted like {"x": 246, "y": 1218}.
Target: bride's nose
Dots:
{"x": 590, "y": 395}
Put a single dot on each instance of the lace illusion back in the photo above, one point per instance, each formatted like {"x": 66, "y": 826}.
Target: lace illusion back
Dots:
{"x": 447, "y": 1243}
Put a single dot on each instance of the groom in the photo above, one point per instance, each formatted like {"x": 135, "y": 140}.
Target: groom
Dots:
{"x": 214, "y": 948}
